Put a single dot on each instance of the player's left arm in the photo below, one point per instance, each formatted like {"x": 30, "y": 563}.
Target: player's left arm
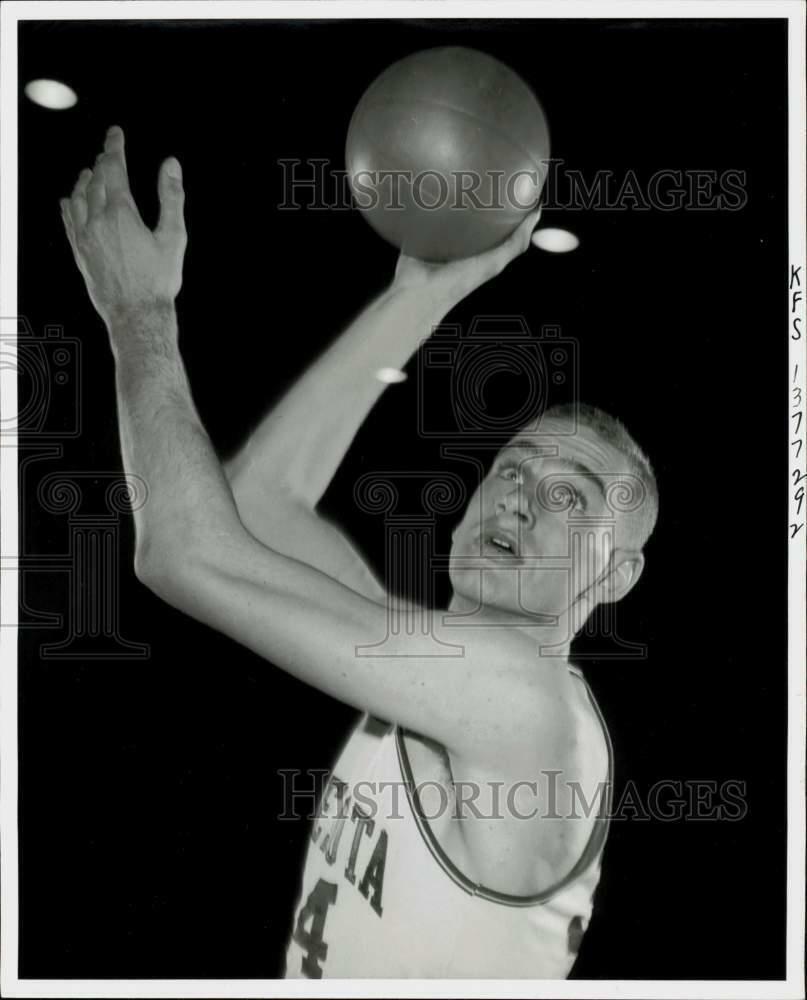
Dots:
{"x": 193, "y": 550}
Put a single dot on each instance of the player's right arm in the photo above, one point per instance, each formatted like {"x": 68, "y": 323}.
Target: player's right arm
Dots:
{"x": 286, "y": 464}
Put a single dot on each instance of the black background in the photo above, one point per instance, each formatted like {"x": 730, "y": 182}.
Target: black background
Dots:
{"x": 149, "y": 844}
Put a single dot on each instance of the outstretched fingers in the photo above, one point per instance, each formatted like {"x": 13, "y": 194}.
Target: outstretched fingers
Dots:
{"x": 112, "y": 164}
{"x": 172, "y": 199}
{"x": 96, "y": 194}
{"x": 114, "y": 144}
{"x": 67, "y": 219}
{"x": 107, "y": 180}
{"x": 77, "y": 204}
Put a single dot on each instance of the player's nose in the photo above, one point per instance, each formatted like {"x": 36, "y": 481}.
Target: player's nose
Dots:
{"x": 515, "y": 505}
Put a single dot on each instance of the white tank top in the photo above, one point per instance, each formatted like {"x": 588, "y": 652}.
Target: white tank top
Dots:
{"x": 381, "y": 899}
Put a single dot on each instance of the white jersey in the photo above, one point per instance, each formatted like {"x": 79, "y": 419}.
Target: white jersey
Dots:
{"x": 381, "y": 899}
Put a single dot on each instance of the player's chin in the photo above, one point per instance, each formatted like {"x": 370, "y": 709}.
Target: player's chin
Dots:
{"x": 465, "y": 582}
{"x": 486, "y": 586}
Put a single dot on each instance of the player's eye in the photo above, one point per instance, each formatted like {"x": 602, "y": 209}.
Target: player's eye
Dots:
{"x": 509, "y": 472}
{"x": 570, "y": 498}
{"x": 579, "y": 502}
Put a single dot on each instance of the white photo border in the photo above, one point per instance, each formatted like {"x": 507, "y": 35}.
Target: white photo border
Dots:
{"x": 14, "y": 11}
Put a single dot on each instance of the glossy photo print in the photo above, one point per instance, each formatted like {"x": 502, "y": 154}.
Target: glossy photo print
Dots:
{"x": 403, "y": 500}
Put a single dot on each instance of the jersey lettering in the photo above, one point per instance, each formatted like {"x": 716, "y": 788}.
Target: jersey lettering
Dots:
{"x": 311, "y": 941}
{"x": 334, "y": 784}
{"x": 363, "y": 824}
{"x": 330, "y": 842}
{"x": 374, "y": 875}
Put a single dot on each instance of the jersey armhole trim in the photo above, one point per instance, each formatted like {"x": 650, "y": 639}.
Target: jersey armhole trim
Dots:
{"x": 591, "y": 851}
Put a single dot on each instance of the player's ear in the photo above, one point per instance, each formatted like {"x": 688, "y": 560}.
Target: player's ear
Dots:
{"x": 623, "y": 574}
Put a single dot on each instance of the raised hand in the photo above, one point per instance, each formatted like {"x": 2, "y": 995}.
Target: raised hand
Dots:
{"x": 459, "y": 278}
{"x": 126, "y": 266}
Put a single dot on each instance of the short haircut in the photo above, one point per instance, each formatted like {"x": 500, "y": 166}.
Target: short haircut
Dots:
{"x": 614, "y": 433}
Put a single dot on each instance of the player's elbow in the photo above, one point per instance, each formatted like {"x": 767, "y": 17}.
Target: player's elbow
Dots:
{"x": 187, "y": 572}
{"x": 163, "y": 568}
{"x": 147, "y": 568}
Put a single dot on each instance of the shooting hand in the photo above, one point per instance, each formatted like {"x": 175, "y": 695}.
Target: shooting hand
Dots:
{"x": 458, "y": 278}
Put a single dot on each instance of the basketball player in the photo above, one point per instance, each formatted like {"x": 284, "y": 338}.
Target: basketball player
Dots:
{"x": 486, "y": 862}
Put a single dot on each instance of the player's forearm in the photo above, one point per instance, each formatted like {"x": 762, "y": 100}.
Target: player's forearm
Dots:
{"x": 299, "y": 445}
{"x": 163, "y": 441}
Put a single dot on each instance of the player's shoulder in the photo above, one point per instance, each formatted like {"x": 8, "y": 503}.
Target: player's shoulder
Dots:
{"x": 537, "y": 704}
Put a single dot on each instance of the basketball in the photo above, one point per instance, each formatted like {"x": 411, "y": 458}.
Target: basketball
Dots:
{"x": 446, "y": 152}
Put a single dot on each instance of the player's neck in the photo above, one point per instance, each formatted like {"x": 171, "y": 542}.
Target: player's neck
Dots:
{"x": 549, "y": 633}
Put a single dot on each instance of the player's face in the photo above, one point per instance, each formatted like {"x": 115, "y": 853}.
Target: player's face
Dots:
{"x": 539, "y": 531}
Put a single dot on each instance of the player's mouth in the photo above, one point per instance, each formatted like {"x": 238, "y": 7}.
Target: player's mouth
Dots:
{"x": 500, "y": 543}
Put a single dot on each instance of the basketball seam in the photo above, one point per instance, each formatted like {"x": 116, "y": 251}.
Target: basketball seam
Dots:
{"x": 466, "y": 114}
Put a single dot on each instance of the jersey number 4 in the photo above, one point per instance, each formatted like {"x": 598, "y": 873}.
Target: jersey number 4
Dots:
{"x": 316, "y": 909}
